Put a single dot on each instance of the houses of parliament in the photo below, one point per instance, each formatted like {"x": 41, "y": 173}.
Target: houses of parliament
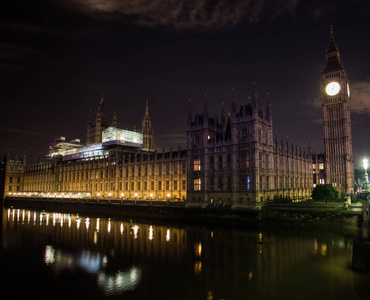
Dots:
{"x": 232, "y": 158}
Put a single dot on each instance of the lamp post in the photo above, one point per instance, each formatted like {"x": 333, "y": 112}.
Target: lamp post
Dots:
{"x": 366, "y": 184}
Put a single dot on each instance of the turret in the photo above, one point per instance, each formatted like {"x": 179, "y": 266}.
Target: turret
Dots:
{"x": 98, "y": 126}
{"x": 146, "y": 129}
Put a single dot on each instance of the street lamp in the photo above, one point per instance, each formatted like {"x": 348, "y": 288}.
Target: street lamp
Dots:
{"x": 366, "y": 184}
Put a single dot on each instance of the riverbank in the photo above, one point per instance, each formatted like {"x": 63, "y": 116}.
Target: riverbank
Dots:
{"x": 310, "y": 212}
{"x": 301, "y": 213}
{"x": 163, "y": 212}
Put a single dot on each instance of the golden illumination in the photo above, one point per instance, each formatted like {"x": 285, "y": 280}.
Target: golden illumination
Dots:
{"x": 109, "y": 226}
{"x": 97, "y": 224}
{"x": 324, "y": 249}
{"x": 198, "y": 249}
{"x": 197, "y": 166}
{"x": 198, "y": 268}
{"x": 135, "y": 230}
{"x": 151, "y": 233}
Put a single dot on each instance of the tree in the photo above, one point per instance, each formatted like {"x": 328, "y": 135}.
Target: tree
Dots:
{"x": 359, "y": 178}
{"x": 325, "y": 192}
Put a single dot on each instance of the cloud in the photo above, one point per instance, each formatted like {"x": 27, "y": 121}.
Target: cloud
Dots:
{"x": 182, "y": 14}
{"x": 360, "y": 97}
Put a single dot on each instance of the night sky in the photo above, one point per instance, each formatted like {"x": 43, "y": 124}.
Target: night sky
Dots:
{"x": 57, "y": 59}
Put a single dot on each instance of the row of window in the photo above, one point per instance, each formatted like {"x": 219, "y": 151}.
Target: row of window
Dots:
{"x": 17, "y": 188}
{"x": 244, "y": 162}
{"x": 246, "y": 184}
{"x": 11, "y": 179}
{"x": 133, "y": 186}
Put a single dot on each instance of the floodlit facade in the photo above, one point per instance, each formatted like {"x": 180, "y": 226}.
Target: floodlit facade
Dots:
{"x": 11, "y": 174}
{"x": 231, "y": 159}
{"x": 235, "y": 160}
{"x": 336, "y": 104}
{"x": 120, "y": 166}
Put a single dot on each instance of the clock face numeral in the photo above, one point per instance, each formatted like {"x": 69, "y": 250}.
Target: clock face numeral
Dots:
{"x": 332, "y": 88}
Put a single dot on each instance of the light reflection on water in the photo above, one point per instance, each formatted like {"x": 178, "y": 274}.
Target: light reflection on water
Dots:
{"x": 188, "y": 262}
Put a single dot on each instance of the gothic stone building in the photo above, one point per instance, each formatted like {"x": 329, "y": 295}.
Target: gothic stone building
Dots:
{"x": 232, "y": 159}
{"x": 11, "y": 173}
{"x": 235, "y": 159}
{"x": 335, "y": 102}
{"x": 110, "y": 170}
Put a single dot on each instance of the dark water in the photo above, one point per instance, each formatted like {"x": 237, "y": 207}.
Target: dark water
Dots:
{"x": 64, "y": 256}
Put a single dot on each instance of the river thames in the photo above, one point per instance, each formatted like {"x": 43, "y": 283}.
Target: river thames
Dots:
{"x": 51, "y": 255}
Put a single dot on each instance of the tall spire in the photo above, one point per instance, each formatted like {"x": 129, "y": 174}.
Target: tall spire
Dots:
{"x": 268, "y": 110}
{"x": 333, "y": 62}
{"x": 147, "y": 108}
{"x": 146, "y": 129}
{"x": 89, "y": 119}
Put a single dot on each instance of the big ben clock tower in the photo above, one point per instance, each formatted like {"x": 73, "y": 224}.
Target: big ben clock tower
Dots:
{"x": 335, "y": 102}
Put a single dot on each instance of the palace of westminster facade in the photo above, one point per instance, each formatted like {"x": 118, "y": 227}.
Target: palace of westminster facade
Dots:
{"x": 232, "y": 159}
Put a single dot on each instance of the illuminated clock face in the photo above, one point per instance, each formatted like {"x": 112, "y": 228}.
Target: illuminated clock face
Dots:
{"x": 332, "y": 88}
{"x": 348, "y": 92}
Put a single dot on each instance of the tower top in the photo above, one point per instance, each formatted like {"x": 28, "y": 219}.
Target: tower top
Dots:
{"x": 147, "y": 108}
{"x": 333, "y": 62}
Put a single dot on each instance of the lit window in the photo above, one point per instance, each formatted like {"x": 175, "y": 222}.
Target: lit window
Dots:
{"x": 197, "y": 184}
{"x": 197, "y": 164}
{"x": 321, "y": 166}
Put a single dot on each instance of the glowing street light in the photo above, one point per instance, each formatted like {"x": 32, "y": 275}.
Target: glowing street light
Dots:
{"x": 366, "y": 184}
